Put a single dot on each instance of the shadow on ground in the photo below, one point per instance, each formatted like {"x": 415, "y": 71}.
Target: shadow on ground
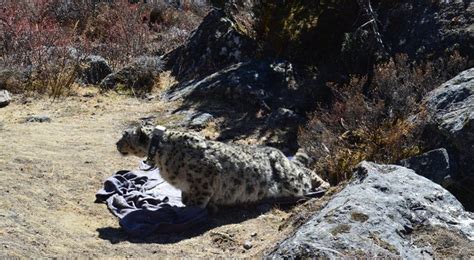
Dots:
{"x": 225, "y": 216}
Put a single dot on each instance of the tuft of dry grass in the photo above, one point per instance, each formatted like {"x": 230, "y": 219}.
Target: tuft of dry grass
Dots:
{"x": 164, "y": 81}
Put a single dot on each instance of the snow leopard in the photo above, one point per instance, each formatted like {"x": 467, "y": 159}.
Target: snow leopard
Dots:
{"x": 212, "y": 173}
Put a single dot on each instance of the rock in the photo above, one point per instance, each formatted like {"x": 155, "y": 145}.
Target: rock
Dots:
{"x": 216, "y": 44}
{"x": 384, "y": 211}
{"x": 450, "y": 124}
{"x": 452, "y": 109}
{"x": 253, "y": 85}
{"x": 5, "y": 98}
{"x": 193, "y": 119}
{"x": 420, "y": 28}
{"x": 93, "y": 69}
{"x": 283, "y": 116}
{"x": 38, "y": 119}
{"x": 200, "y": 120}
{"x": 138, "y": 76}
{"x": 433, "y": 165}
{"x": 248, "y": 245}
{"x": 244, "y": 95}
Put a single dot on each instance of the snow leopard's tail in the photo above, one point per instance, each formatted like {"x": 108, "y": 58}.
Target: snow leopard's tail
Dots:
{"x": 302, "y": 158}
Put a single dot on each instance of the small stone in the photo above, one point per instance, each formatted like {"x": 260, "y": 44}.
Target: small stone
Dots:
{"x": 5, "y": 98}
{"x": 200, "y": 120}
{"x": 248, "y": 245}
{"x": 254, "y": 234}
{"x": 88, "y": 95}
{"x": 38, "y": 119}
{"x": 149, "y": 97}
{"x": 94, "y": 69}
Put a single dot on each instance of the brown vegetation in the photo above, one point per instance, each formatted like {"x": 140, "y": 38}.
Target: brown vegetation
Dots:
{"x": 376, "y": 125}
{"x": 44, "y": 40}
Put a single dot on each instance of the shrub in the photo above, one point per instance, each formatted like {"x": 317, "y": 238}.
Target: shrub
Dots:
{"x": 175, "y": 25}
{"x": 47, "y": 38}
{"x": 376, "y": 125}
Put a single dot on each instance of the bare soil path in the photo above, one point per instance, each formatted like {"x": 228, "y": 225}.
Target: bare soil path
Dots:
{"x": 51, "y": 171}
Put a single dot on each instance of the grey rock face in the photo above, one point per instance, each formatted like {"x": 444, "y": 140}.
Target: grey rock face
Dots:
{"x": 139, "y": 75}
{"x": 451, "y": 125}
{"x": 5, "y": 98}
{"x": 240, "y": 91}
{"x": 283, "y": 116}
{"x": 259, "y": 84}
{"x": 216, "y": 44}
{"x": 379, "y": 214}
{"x": 421, "y": 28}
{"x": 94, "y": 69}
{"x": 452, "y": 109}
{"x": 38, "y": 119}
{"x": 433, "y": 165}
{"x": 200, "y": 120}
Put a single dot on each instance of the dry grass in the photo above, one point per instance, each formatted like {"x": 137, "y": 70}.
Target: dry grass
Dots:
{"x": 51, "y": 171}
{"x": 164, "y": 82}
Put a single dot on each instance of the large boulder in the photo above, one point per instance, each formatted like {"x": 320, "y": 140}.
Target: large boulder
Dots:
{"x": 216, "y": 44}
{"x": 139, "y": 76}
{"x": 450, "y": 124}
{"x": 254, "y": 85}
{"x": 384, "y": 211}
{"x": 93, "y": 69}
{"x": 427, "y": 28}
{"x": 451, "y": 107}
{"x": 339, "y": 35}
{"x": 433, "y": 165}
{"x": 261, "y": 101}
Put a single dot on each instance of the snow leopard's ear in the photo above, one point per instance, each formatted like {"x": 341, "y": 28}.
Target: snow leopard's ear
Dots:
{"x": 144, "y": 132}
{"x": 146, "y": 127}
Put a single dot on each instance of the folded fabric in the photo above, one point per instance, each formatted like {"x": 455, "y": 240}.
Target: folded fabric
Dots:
{"x": 146, "y": 204}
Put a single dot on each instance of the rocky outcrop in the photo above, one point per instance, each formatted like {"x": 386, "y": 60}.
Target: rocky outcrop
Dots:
{"x": 5, "y": 98}
{"x": 450, "y": 124}
{"x": 258, "y": 84}
{"x": 259, "y": 99}
{"x": 339, "y": 35}
{"x": 384, "y": 211}
{"x": 433, "y": 165}
{"x": 422, "y": 28}
{"x": 139, "y": 76}
{"x": 451, "y": 107}
{"x": 216, "y": 44}
{"x": 93, "y": 69}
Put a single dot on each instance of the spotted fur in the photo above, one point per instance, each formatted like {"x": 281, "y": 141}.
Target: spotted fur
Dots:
{"x": 214, "y": 173}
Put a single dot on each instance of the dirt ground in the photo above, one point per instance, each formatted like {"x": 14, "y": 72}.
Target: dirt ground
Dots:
{"x": 50, "y": 173}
